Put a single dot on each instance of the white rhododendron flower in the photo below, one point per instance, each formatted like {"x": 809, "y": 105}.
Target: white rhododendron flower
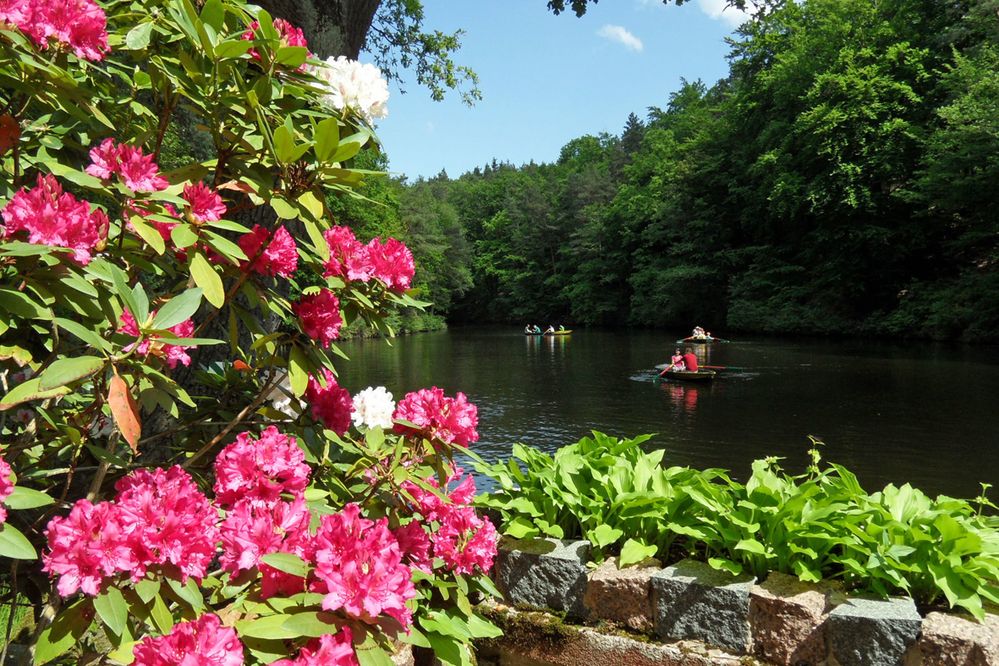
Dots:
{"x": 354, "y": 86}
{"x": 281, "y": 400}
{"x": 373, "y": 407}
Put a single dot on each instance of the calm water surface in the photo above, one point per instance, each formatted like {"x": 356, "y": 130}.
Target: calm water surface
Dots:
{"x": 891, "y": 412}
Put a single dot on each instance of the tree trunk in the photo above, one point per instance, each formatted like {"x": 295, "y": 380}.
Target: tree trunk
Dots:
{"x": 333, "y": 27}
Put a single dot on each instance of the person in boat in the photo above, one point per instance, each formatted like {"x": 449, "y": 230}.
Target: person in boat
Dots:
{"x": 676, "y": 363}
{"x": 699, "y": 332}
{"x": 537, "y": 329}
{"x": 690, "y": 360}
{"x": 561, "y": 327}
{"x": 528, "y": 330}
{"x": 550, "y": 329}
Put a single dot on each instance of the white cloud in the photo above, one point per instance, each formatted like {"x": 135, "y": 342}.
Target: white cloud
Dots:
{"x": 616, "y": 33}
{"x": 720, "y": 11}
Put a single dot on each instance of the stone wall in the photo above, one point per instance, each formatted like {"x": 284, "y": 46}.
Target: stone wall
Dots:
{"x": 689, "y": 613}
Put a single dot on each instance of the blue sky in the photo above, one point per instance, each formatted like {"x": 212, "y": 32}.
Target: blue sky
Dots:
{"x": 548, "y": 79}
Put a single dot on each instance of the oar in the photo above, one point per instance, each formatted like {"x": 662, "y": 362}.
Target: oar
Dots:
{"x": 720, "y": 368}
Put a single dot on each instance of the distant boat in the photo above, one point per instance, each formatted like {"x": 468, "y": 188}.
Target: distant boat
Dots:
{"x": 699, "y": 340}
{"x": 538, "y": 333}
{"x": 563, "y": 332}
{"x": 688, "y": 376}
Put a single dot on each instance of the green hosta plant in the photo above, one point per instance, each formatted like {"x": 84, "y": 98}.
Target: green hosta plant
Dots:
{"x": 818, "y": 525}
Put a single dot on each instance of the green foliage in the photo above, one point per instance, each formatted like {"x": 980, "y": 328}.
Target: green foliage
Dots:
{"x": 818, "y": 525}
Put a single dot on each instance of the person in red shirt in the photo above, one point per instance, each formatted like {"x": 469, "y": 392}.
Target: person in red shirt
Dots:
{"x": 690, "y": 360}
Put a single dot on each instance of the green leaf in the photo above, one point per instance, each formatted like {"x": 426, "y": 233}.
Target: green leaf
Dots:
{"x": 83, "y": 333}
{"x": 213, "y": 14}
{"x": 149, "y": 234}
{"x": 206, "y": 278}
{"x": 291, "y": 56}
{"x": 232, "y": 48}
{"x": 284, "y": 144}
{"x": 112, "y": 608}
{"x": 298, "y": 374}
{"x": 751, "y": 546}
{"x": 604, "y": 535}
{"x": 161, "y": 615}
{"x": 311, "y": 623}
{"x": 288, "y": 563}
{"x": 449, "y": 650}
{"x": 327, "y": 139}
{"x": 28, "y": 391}
{"x": 268, "y": 626}
{"x": 67, "y": 370}
{"x": 178, "y": 309}
{"x": 369, "y": 653}
{"x": 15, "y": 545}
{"x": 19, "y": 304}
{"x": 27, "y": 498}
{"x": 189, "y": 592}
{"x": 284, "y": 210}
{"x": 183, "y": 236}
{"x": 520, "y": 528}
{"x": 138, "y": 37}
{"x": 633, "y": 552}
{"x": 64, "y": 632}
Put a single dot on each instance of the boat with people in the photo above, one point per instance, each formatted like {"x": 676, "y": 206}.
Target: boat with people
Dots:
{"x": 689, "y": 376}
{"x": 565, "y": 331}
{"x": 699, "y": 337}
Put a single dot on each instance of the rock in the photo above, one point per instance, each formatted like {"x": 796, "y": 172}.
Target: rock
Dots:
{"x": 693, "y": 600}
{"x": 622, "y": 596}
{"x": 785, "y": 618}
{"x": 951, "y": 640}
{"x": 872, "y": 632}
{"x": 544, "y": 573}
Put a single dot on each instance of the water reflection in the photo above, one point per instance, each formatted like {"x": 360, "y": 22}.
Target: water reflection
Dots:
{"x": 683, "y": 396}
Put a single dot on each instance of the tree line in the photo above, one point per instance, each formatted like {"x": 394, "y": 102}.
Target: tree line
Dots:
{"x": 840, "y": 180}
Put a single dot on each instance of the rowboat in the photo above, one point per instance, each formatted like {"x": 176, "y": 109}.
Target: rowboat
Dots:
{"x": 565, "y": 332}
{"x": 699, "y": 341}
{"x": 687, "y": 376}
{"x": 538, "y": 333}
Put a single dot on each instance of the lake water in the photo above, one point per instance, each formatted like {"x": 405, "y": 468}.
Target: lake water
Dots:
{"x": 922, "y": 413}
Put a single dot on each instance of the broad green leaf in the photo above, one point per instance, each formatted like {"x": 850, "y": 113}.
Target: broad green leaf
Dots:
{"x": 28, "y": 391}
{"x": 149, "y": 234}
{"x": 751, "y": 546}
{"x": 138, "y": 37}
{"x": 20, "y": 304}
{"x": 268, "y": 626}
{"x": 284, "y": 210}
{"x": 604, "y": 535}
{"x": 27, "y": 498}
{"x": 284, "y": 144}
{"x": 14, "y": 544}
{"x": 633, "y": 552}
{"x": 64, "y": 632}
{"x": 311, "y": 623}
{"x": 288, "y": 563}
{"x": 67, "y": 370}
{"x": 298, "y": 375}
{"x": 112, "y": 608}
{"x": 183, "y": 236}
{"x": 161, "y": 615}
{"x": 206, "y": 278}
{"x": 291, "y": 56}
{"x": 213, "y": 14}
{"x": 178, "y": 309}
{"x": 327, "y": 139}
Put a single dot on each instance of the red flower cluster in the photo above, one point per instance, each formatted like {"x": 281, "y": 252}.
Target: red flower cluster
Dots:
{"x": 172, "y": 354}
{"x": 80, "y": 24}
{"x": 279, "y": 256}
{"x": 6, "y": 487}
{"x": 253, "y": 529}
{"x": 331, "y": 404}
{"x": 204, "y": 203}
{"x": 138, "y": 171}
{"x": 288, "y": 34}
{"x": 319, "y": 315}
{"x": 463, "y": 540}
{"x": 260, "y": 470}
{"x": 389, "y": 261}
{"x": 53, "y": 217}
{"x": 359, "y": 567}
{"x": 438, "y": 417}
{"x": 329, "y": 650}
{"x": 158, "y": 519}
{"x": 204, "y": 642}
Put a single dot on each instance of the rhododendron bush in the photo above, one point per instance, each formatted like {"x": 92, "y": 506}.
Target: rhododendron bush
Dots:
{"x": 182, "y": 478}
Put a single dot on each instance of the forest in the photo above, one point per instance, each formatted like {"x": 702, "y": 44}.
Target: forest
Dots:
{"x": 840, "y": 180}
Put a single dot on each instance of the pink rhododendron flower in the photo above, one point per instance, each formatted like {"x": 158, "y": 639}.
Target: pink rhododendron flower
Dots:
{"x": 80, "y": 24}
{"x": 439, "y": 417}
{"x": 260, "y": 469}
{"x": 288, "y": 34}
{"x": 172, "y": 354}
{"x": 138, "y": 171}
{"x": 86, "y": 547}
{"x": 331, "y": 404}
{"x": 203, "y": 642}
{"x": 433, "y": 506}
{"x": 168, "y": 521}
{"x": 205, "y": 203}
{"x": 392, "y": 263}
{"x": 328, "y": 650}
{"x": 6, "y": 487}
{"x": 104, "y": 159}
{"x": 465, "y": 541}
{"x": 319, "y": 315}
{"x": 53, "y": 217}
{"x": 279, "y": 257}
{"x": 415, "y": 545}
{"x": 253, "y": 529}
{"x": 349, "y": 257}
{"x": 359, "y": 566}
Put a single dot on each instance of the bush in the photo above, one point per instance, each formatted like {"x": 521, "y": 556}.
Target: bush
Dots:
{"x": 818, "y": 525}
